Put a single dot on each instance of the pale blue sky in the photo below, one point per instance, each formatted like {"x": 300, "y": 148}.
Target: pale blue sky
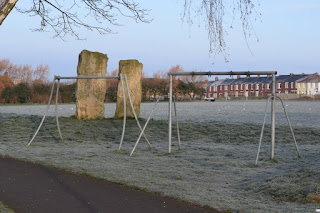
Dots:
{"x": 288, "y": 41}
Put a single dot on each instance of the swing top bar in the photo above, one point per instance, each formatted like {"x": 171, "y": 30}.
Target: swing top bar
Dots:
{"x": 87, "y": 77}
{"x": 226, "y": 73}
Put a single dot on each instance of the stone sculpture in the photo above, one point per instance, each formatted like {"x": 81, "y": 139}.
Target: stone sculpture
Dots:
{"x": 91, "y": 92}
{"x": 133, "y": 70}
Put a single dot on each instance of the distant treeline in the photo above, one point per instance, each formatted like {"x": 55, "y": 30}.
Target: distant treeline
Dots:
{"x": 34, "y": 86}
{"x": 40, "y": 93}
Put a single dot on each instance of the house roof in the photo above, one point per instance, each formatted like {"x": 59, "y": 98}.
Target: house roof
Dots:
{"x": 216, "y": 83}
{"x": 258, "y": 80}
{"x": 310, "y": 78}
{"x": 289, "y": 78}
{"x": 209, "y": 83}
{"x": 250, "y": 80}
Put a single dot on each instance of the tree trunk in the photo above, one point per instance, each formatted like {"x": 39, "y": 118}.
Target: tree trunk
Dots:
{"x": 5, "y": 8}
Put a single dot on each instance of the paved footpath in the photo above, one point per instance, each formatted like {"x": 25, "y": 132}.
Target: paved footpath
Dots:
{"x": 27, "y": 187}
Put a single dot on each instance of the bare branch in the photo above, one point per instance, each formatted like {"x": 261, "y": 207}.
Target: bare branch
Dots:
{"x": 67, "y": 17}
{"x": 213, "y": 12}
{"x": 94, "y": 15}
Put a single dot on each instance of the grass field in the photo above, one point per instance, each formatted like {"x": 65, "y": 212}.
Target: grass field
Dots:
{"x": 214, "y": 168}
{"x": 5, "y": 209}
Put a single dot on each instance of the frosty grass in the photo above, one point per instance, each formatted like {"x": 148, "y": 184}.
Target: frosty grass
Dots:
{"x": 215, "y": 167}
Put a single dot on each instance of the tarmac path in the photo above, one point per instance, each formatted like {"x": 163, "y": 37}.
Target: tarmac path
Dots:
{"x": 27, "y": 187}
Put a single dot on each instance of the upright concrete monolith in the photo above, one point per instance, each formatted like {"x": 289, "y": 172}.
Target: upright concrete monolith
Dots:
{"x": 133, "y": 70}
{"x": 91, "y": 92}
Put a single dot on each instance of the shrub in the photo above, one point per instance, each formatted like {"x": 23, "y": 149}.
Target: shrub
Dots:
{"x": 8, "y": 94}
{"x": 23, "y": 92}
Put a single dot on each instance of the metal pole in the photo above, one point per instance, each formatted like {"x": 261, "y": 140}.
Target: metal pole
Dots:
{"x": 124, "y": 112}
{"x": 133, "y": 111}
{"x": 170, "y": 112}
{"x": 57, "y": 119}
{"x": 290, "y": 126}
{"x": 45, "y": 114}
{"x": 261, "y": 135}
{"x": 225, "y": 73}
{"x": 273, "y": 125}
{"x": 176, "y": 116}
{"x": 145, "y": 126}
{"x": 88, "y": 77}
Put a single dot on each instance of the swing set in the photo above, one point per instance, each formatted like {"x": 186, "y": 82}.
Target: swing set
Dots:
{"x": 123, "y": 78}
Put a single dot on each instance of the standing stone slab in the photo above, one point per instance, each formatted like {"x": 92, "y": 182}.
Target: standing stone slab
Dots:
{"x": 133, "y": 70}
{"x": 91, "y": 92}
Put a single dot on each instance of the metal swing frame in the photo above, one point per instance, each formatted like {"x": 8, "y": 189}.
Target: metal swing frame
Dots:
{"x": 122, "y": 78}
{"x": 231, "y": 73}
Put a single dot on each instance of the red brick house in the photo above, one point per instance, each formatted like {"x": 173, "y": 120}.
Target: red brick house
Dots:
{"x": 252, "y": 86}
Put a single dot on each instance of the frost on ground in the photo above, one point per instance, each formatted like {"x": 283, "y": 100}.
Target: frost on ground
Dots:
{"x": 5, "y": 209}
{"x": 214, "y": 168}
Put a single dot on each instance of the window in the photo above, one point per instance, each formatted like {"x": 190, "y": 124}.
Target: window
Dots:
{"x": 310, "y": 85}
{"x": 287, "y": 85}
{"x": 257, "y": 86}
{"x": 241, "y": 87}
{"x": 279, "y": 85}
{"x": 246, "y": 86}
{"x": 268, "y": 86}
{"x": 215, "y": 88}
{"x": 210, "y": 89}
{"x": 292, "y": 84}
{"x": 298, "y": 85}
{"x": 262, "y": 86}
{"x": 226, "y": 87}
{"x": 236, "y": 87}
{"x": 303, "y": 85}
{"x": 231, "y": 87}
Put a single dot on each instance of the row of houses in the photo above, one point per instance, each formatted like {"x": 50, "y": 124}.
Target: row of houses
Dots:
{"x": 262, "y": 86}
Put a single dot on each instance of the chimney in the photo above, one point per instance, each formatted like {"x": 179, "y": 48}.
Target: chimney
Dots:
{"x": 248, "y": 76}
{"x": 316, "y": 73}
{"x": 303, "y": 73}
{"x": 268, "y": 76}
{"x": 291, "y": 74}
{"x": 238, "y": 76}
{"x": 227, "y": 78}
{"x": 258, "y": 76}
{"x": 6, "y": 74}
{"x": 217, "y": 78}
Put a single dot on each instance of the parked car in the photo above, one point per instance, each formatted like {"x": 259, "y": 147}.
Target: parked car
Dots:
{"x": 209, "y": 99}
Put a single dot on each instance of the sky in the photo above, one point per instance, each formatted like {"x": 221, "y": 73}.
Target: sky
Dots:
{"x": 288, "y": 32}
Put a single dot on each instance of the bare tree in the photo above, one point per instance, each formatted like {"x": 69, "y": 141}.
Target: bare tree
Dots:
{"x": 40, "y": 74}
{"x": 25, "y": 73}
{"x": 213, "y": 13}
{"x": 161, "y": 74}
{"x": 5, "y": 8}
{"x": 66, "y": 17}
{"x": 4, "y": 65}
